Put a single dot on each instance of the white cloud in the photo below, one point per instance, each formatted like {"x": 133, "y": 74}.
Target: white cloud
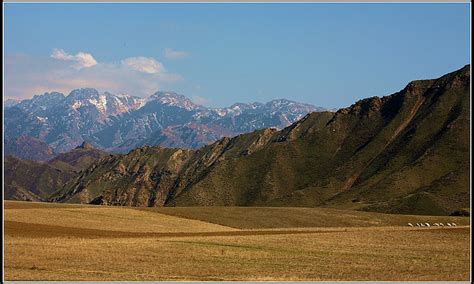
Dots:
{"x": 81, "y": 59}
{"x": 144, "y": 64}
{"x": 26, "y": 75}
{"x": 175, "y": 54}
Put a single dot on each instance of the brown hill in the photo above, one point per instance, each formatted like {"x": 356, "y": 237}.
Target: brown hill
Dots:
{"x": 32, "y": 180}
{"x": 35, "y": 181}
{"x": 79, "y": 158}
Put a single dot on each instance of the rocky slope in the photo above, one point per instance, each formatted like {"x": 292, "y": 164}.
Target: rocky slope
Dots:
{"x": 403, "y": 153}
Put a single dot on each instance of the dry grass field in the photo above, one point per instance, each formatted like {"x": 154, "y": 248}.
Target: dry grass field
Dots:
{"x": 74, "y": 242}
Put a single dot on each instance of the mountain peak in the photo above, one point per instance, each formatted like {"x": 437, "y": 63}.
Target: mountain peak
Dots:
{"x": 173, "y": 99}
{"x": 47, "y": 97}
{"x": 168, "y": 96}
{"x": 239, "y": 106}
{"x": 40, "y": 103}
{"x": 83, "y": 93}
{"x": 160, "y": 94}
{"x": 282, "y": 101}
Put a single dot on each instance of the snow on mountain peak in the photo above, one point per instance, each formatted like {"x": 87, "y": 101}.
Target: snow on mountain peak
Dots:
{"x": 100, "y": 103}
{"x": 173, "y": 99}
{"x": 84, "y": 93}
{"x": 106, "y": 103}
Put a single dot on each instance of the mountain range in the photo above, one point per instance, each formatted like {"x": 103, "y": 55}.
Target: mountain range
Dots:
{"x": 403, "y": 153}
{"x": 120, "y": 123}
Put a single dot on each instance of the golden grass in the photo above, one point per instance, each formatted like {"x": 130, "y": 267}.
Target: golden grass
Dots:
{"x": 90, "y": 250}
{"x": 112, "y": 219}
{"x": 291, "y": 217}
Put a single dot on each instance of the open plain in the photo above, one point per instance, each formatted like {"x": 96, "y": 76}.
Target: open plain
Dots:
{"x": 45, "y": 241}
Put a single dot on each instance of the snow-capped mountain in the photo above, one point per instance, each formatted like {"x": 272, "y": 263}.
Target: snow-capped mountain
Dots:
{"x": 173, "y": 99}
{"x": 64, "y": 122}
{"x": 123, "y": 122}
{"x": 105, "y": 105}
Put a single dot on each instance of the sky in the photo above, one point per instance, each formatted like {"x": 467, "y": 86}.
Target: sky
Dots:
{"x": 329, "y": 55}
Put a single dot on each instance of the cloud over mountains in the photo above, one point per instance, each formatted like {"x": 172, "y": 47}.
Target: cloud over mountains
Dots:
{"x": 144, "y": 64}
{"x": 62, "y": 71}
{"x": 81, "y": 59}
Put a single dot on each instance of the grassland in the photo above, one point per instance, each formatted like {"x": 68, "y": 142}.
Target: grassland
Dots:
{"x": 296, "y": 217}
{"x": 71, "y": 242}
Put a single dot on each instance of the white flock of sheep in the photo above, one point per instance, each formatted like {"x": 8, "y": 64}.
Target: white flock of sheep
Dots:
{"x": 435, "y": 224}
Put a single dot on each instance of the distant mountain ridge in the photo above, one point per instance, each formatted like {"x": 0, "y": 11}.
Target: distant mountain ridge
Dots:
{"x": 122, "y": 122}
{"x": 63, "y": 122}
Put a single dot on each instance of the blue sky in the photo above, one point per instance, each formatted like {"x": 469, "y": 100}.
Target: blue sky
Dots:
{"x": 329, "y": 55}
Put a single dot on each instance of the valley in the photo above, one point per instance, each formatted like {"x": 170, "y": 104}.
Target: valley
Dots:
{"x": 195, "y": 142}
